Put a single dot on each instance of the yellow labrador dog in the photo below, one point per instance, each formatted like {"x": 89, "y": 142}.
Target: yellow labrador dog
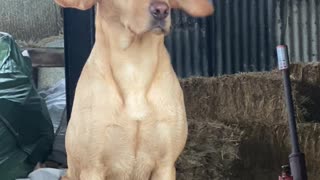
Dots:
{"x": 128, "y": 120}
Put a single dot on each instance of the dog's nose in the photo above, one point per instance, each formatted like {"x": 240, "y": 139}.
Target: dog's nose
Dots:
{"x": 159, "y": 10}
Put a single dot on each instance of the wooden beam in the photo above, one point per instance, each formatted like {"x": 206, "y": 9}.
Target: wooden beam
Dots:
{"x": 46, "y": 57}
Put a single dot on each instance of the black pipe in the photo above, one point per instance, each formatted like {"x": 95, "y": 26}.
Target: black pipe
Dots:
{"x": 296, "y": 158}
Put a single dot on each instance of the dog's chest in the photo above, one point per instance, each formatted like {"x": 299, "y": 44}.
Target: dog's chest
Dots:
{"x": 136, "y": 107}
{"x": 153, "y": 105}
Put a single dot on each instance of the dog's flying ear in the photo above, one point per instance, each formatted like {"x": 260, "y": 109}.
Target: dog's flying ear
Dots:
{"x": 196, "y": 8}
{"x": 78, "y": 4}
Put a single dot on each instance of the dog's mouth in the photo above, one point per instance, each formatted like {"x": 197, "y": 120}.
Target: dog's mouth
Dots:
{"x": 156, "y": 27}
{"x": 159, "y": 27}
{"x": 159, "y": 30}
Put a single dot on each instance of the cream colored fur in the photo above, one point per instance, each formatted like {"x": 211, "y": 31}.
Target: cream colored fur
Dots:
{"x": 128, "y": 120}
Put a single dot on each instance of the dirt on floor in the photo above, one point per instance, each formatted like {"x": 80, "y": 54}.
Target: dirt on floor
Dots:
{"x": 238, "y": 125}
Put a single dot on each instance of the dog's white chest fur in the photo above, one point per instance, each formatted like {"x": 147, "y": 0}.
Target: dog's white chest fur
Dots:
{"x": 137, "y": 108}
{"x": 134, "y": 81}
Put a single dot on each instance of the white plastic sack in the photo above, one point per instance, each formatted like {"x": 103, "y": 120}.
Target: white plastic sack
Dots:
{"x": 55, "y": 98}
{"x": 45, "y": 174}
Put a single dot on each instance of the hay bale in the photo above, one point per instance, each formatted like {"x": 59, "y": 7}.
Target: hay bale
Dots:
{"x": 256, "y": 97}
{"x": 212, "y": 151}
{"x": 306, "y": 72}
{"x": 307, "y": 98}
{"x": 265, "y": 148}
{"x": 244, "y": 151}
{"x": 308, "y": 76}
{"x": 309, "y": 135}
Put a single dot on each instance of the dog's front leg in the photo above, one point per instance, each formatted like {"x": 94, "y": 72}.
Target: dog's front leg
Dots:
{"x": 91, "y": 175}
{"x": 164, "y": 173}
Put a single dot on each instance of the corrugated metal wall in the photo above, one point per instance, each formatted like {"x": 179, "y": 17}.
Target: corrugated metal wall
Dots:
{"x": 242, "y": 35}
{"x": 303, "y": 33}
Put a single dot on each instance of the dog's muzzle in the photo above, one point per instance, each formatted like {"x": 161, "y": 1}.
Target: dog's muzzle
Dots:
{"x": 160, "y": 12}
